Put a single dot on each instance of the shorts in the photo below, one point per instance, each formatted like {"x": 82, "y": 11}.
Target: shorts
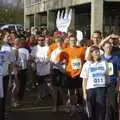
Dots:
{"x": 73, "y": 83}
{"x": 57, "y": 78}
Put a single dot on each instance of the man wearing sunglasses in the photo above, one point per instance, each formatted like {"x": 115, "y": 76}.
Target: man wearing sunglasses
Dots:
{"x": 39, "y": 55}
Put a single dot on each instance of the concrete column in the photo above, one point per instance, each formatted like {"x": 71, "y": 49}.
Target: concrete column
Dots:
{"x": 35, "y": 20}
{"x": 25, "y": 2}
{"x": 97, "y": 7}
{"x": 26, "y": 18}
{"x": 72, "y": 25}
{"x": 51, "y": 20}
{"x": 26, "y": 21}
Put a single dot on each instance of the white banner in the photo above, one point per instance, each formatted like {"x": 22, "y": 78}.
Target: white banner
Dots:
{"x": 63, "y": 20}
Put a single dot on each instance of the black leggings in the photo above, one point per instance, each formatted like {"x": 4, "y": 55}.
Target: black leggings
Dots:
{"x": 22, "y": 76}
{"x": 112, "y": 112}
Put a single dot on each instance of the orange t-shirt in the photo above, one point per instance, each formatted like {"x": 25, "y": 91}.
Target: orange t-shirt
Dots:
{"x": 52, "y": 47}
{"x": 73, "y": 58}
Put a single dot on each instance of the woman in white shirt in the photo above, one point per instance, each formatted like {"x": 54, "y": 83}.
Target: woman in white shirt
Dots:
{"x": 94, "y": 73}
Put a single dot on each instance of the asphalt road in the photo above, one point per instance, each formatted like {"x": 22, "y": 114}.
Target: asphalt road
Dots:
{"x": 42, "y": 115}
{"x": 30, "y": 111}
{"x": 43, "y": 111}
{"x": 37, "y": 115}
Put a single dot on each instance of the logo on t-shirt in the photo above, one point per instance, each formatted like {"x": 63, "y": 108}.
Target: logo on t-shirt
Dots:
{"x": 76, "y": 64}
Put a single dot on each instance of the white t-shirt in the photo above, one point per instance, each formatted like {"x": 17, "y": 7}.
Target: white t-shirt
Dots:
{"x": 54, "y": 54}
{"x": 6, "y": 47}
{"x": 95, "y": 74}
{"x": 41, "y": 58}
{"x": 23, "y": 56}
{"x": 7, "y": 57}
{"x": 4, "y": 63}
{"x": 53, "y": 60}
{"x": 3, "y": 69}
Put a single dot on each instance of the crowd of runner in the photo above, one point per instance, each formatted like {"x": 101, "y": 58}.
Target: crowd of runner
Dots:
{"x": 85, "y": 74}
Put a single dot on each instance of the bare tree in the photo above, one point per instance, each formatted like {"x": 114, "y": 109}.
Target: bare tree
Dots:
{"x": 12, "y": 14}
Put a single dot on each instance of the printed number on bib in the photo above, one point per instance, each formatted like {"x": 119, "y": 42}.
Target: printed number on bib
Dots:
{"x": 99, "y": 82}
{"x": 76, "y": 64}
{"x": 110, "y": 69}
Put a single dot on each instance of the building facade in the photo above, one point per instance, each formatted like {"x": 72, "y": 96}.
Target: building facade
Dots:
{"x": 88, "y": 15}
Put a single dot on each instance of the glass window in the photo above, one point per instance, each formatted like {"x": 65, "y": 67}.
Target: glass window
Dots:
{"x": 20, "y": 28}
{"x": 11, "y": 27}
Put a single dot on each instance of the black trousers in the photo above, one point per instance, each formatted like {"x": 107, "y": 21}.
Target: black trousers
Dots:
{"x": 22, "y": 76}
{"x": 96, "y": 101}
{"x": 2, "y": 109}
{"x": 3, "y": 100}
{"x": 112, "y": 112}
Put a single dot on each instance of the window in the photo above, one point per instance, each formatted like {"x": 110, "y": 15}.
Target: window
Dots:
{"x": 11, "y": 27}
{"x": 20, "y": 28}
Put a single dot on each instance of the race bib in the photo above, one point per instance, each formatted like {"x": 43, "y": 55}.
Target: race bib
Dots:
{"x": 99, "y": 82}
{"x": 76, "y": 64}
{"x": 110, "y": 68}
